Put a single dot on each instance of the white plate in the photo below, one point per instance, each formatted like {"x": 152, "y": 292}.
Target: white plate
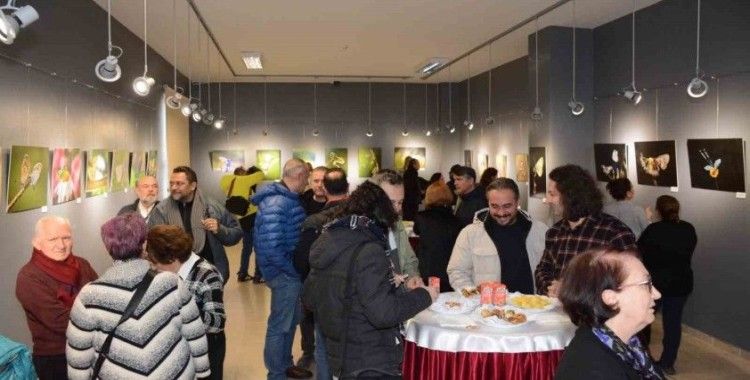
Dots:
{"x": 549, "y": 307}
{"x": 466, "y": 305}
{"x": 495, "y": 321}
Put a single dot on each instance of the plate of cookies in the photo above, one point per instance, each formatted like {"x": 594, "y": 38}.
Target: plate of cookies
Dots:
{"x": 451, "y": 303}
{"x": 501, "y": 316}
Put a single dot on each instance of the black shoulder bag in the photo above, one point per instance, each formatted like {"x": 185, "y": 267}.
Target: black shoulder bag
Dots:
{"x": 132, "y": 305}
{"x": 236, "y": 204}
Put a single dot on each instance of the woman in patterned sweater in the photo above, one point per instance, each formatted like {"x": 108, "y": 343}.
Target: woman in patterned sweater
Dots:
{"x": 165, "y": 337}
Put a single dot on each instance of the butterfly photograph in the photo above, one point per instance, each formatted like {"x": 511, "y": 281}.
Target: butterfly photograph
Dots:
{"x": 717, "y": 164}
{"x": 611, "y": 161}
{"x": 28, "y": 173}
{"x": 538, "y": 171}
{"x": 655, "y": 163}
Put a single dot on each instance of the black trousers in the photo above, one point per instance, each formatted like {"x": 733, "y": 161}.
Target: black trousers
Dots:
{"x": 671, "y": 316}
{"x": 53, "y": 367}
{"x": 307, "y": 328}
{"x": 217, "y": 349}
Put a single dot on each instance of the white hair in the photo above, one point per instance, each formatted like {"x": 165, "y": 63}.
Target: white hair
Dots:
{"x": 294, "y": 167}
{"x": 49, "y": 219}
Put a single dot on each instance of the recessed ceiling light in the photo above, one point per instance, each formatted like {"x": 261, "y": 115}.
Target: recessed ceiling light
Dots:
{"x": 252, "y": 60}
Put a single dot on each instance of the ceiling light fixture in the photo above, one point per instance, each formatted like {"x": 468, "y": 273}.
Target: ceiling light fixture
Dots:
{"x": 108, "y": 70}
{"x": 431, "y": 65}
{"x": 142, "y": 84}
{"x": 404, "y": 129}
{"x": 576, "y": 107}
{"x": 197, "y": 113}
{"x": 252, "y": 60}
{"x": 536, "y": 114}
{"x": 369, "y": 132}
{"x": 219, "y": 122}
{"x": 190, "y": 105}
{"x": 208, "y": 119}
{"x": 450, "y": 126}
{"x": 468, "y": 123}
{"x": 174, "y": 101}
{"x": 315, "y": 105}
{"x": 697, "y": 87}
{"x": 315, "y": 131}
{"x": 631, "y": 93}
{"x": 489, "y": 120}
{"x": 13, "y": 18}
{"x": 427, "y": 131}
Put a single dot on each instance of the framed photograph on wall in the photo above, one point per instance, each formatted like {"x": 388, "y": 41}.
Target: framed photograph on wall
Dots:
{"x": 655, "y": 163}
{"x": 305, "y": 155}
{"x": 226, "y": 161}
{"x": 468, "y": 154}
{"x": 400, "y": 154}
{"x": 610, "y": 161}
{"x": 269, "y": 162}
{"x": 98, "y": 167}
{"x": 151, "y": 160}
{"x": 369, "y": 161}
{"x": 522, "y": 167}
{"x": 501, "y": 161}
{"x": 28, "y": 173}
{"x": 338, "y": 158}
{"x": 537, "y": 170}
{"x": 137, "y": 166}
{"x": 120, "y": 166}
{"x": 717, "y": 164}
{"x": 65, "y": 175}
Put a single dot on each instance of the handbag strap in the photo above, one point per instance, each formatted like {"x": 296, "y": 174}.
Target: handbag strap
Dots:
{"x": 129, "y": 310}
{"x": 231, "y": 187}
{"x": 348, "y": 300}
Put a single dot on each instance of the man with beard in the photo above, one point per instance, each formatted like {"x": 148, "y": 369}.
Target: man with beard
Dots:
{"x": 471, "y": 198}
{"x": 314, "y": 199}
{"x": 46, "y": 287}
{"x": 207, "y": 221}
{"x": 583, "y": 226}
{"x": 504, "y": 244}
{"x": 147, "y": 191}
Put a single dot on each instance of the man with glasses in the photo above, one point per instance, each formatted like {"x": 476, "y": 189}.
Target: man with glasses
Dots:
{"x": 583, "y": 226}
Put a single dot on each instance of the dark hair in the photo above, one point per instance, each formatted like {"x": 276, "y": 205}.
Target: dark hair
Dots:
{"x": 252, "y": 170}
{"x": 167, "y": 243}
{"x": 618, "y": 188}
{"x": 504, "y": 183}
{"x": 123, "y": 236}
{"x": 465, "y": 171}
{"x": 371, "y": 201}
{"x": 435, "y": 177}
{"x": 584, "y": 280}
{"x": 388, "y": 176}
{"x": 189, "y": 173}
{"x": 578, "y": 192}
{"x": 239, "y": 171}
{"x": 488, "y": 175}
{"x": 335, "y": 182}
{"x": 453, "y": 169}
{"x": 668, "y": 208}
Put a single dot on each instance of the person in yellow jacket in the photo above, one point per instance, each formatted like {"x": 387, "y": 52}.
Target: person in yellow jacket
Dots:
{"x": 245, "y": 182}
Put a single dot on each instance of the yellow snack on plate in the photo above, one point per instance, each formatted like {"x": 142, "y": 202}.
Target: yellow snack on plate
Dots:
{"x": 531, "y": 301}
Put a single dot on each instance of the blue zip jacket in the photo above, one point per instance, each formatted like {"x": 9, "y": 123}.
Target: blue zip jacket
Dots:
{"x": 277, "y": 229}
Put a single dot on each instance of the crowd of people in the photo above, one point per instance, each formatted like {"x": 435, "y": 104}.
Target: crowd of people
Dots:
{"x": 340, "y": 265}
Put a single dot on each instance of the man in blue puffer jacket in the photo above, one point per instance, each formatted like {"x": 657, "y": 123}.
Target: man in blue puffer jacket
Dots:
{"x": 277, "y": 231}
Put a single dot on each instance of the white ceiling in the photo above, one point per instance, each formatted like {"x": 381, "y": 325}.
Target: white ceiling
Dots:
{"x": 351, "y": 37}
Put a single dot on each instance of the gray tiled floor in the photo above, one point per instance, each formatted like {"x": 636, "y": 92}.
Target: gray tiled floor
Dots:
{"x": 248, "y": 306}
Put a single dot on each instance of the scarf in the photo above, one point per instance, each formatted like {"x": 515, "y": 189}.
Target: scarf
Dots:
{"x": 633, "y": 354}
{"x": 66, "y": 272}
{"x": 197, "y": 214}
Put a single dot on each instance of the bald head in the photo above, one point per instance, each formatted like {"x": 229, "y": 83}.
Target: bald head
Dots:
{"x": 53, "y": 237}
{"x": 295, "y": 175}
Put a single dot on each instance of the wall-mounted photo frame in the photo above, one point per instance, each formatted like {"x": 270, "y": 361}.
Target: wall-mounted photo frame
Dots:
{"x": 338, "y": 158}
{"x": 269, "y": 162}
{"x": 400, "y": 154}
{"x": 369, "y": 160}
{"x": 537, "y": 170}
{"x": 65, "y": 175}
{"x": 98, "y": 167}
{"x": 522, "y": 167}
{"x": 226, "y": 161}
{"x": 655, "y": 163}
{"x": 717, "y": 164}
{"x": 28, "y": 175}
{"x": 610, "y": 161}
{"x": 120, "y": 170}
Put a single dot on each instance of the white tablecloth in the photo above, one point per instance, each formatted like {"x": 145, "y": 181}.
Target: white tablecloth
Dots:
{"x": 547, "y": 331}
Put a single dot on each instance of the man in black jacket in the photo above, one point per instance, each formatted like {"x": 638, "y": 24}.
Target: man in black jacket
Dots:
{"x": 336, "y": 191}
{"x": 147, "y": 190}
{"x": 471, "y": 196}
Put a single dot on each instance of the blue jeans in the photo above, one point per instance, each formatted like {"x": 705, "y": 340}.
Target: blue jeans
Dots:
{"x": 321, "y": 356}
{"x": 247, "y": 250}
{"x": 282, "y": 323}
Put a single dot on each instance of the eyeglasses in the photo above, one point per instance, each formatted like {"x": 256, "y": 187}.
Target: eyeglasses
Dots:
{"x": 648, "y": 283}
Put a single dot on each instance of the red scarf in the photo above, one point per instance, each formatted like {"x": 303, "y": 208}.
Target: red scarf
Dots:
{"x": 67, "y": 273}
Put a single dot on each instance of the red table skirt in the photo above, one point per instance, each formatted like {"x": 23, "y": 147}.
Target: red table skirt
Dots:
{"x": 422, "y": 363}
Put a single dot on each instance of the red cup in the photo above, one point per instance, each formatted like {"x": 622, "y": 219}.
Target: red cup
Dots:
{"x": 486, "y": 295}
{"x": 434, "y": 282}
{"x": 500, "y": 293}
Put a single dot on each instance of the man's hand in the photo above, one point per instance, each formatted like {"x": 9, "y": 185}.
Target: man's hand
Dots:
{"x": 211, "y": 225}
{"x": 434, "y": 293}
{"x": 553, "y": 289}
{"x": 399, "y": 279}
{"x": 414, "y": 282}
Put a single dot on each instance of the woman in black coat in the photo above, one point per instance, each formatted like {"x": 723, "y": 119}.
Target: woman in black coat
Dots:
{"x": 414, "y": 186}
{"x": 609, "y": 295}
{"x": 438, "y": 229}
{"x": 667, "y": 248}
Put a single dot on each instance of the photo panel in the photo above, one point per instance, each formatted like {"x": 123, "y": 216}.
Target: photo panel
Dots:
{"x": 369, "y": 161}
{"x": 537, "y": 170}
{"x": 28, "y": 174}
{"x": 655, "y": 163}
{"x": 610, "y": 161}
{"x": 717, "y": 164}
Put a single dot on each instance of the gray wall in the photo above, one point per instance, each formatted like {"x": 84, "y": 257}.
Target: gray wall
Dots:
{"x": 665, "y": 54}
{"x": 41, "y": 110}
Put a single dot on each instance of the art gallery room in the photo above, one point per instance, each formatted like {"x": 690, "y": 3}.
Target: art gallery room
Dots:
{"x": 101, "y": 98}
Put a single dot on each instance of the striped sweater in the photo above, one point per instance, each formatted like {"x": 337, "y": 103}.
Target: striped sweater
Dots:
{"x": 164, "y": 339}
